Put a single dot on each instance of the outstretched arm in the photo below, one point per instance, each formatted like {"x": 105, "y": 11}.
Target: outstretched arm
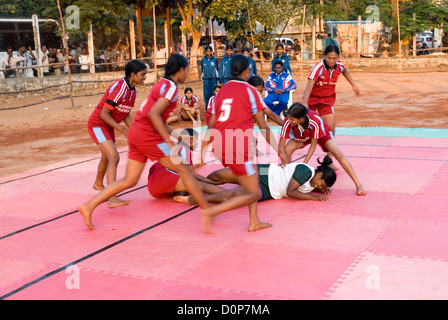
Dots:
{"x": 307, "y": 92}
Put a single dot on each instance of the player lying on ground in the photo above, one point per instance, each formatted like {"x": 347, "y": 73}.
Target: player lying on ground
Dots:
{"x": 295, "y": 180}
{"x": 164, "y": 183}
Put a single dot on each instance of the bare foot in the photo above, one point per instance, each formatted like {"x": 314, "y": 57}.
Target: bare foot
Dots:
{"x": 206, "y": 220}
{"x": 258, "y": 226}
{"x": 360, "y": 191}
{"x": 181, "y": 199}
{"x": 116, "y": 202}
{"x": 98, "y": 187}
{"x": 86, "y": 215}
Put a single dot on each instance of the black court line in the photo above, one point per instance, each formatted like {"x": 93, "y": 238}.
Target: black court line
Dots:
{"x": 56, "y": 271}
{"x": 67, "y": 214}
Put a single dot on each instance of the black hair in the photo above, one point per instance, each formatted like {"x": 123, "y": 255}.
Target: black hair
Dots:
{"x": 280, "y": 44}
{"x": 208, "y": 48}
{"x": 256, "y": 81}
{"x": 331, "y": 48}
{"x": 280, "y": 62}
{"x": 175, "y": 63}
{"x": 297, "y": 110}
{"x": 133, "y": 66}
{"x": 188, "y": 132}
{"x": 238, "y": 64}
{"x": 245, "y": 49}
{"x": 229, "y": 46}
{"x": 216, "y": 87}
{"x": 188, "y": 89}
{"x": 328, "y": 174}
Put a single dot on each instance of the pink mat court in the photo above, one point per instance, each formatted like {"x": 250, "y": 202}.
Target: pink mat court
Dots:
{"x": 389, "y": 244}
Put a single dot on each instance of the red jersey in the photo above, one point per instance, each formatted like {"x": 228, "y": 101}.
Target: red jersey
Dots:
{"x": 142, "y": 129}
{"x": 119, "y": 98}
{"x": 235, "y": 106}
{"x": 210, "y": 110}
{"x": 190, "y": 102}
{"x": 324, "y": 89}
{"x": 316, "y": 129}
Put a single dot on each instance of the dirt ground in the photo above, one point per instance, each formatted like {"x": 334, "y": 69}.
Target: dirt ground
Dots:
{"x": 38, "y": 135}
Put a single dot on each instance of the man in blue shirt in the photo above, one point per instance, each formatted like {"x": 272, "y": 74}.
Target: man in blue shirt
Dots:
{"x": 252, "y": 64}
{"x": 278, "y": 85}
{"x": 280, "y": 55}
{"x": 209, "y": 67}
{"x": 224, "y": 66}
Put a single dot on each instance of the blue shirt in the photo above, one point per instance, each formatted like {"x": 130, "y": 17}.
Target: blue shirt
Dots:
{"x": 253, "y": 67}
{"x": 285, "y": 60}
{"x": 209, "y": 68}
{"x": 224, "y": 68}
{"x": 282, "y": 81}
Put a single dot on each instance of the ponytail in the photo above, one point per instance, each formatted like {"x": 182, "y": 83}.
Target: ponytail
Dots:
{"x": 328, "y": 174}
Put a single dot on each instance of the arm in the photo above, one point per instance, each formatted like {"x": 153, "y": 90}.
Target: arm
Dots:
{"x": 292, "y": 192}
{"x": 155, "y": 115}
{"x": 349, "y": 78}
{"x": 106, "y": 116}
{"x": 310, "y": 150}
{"x": 128, "y": 120}
{"x": 266, "y": 131}
{"x": 307, "y": 92}
{"x": 281, "y": 148}
{"x": 273, "y": 116}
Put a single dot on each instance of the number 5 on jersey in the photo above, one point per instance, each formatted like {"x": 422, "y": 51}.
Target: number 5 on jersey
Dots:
{"x": 225, "y": 110}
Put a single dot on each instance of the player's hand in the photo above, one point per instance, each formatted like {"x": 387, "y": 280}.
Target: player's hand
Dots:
{"x": 124, "y": 131}
{"x": 322, "y": 198}
{"x": 356, "y": 91}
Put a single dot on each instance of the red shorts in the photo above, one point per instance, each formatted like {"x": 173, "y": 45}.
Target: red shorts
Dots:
{"x": 101, "y": 134}
{"x": 321, "y": 142}
{"x": 322, "y": 109}
{"x": 161, "y": 181}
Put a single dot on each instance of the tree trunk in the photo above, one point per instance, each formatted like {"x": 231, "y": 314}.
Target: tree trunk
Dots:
{"x": 195, "y": 56}
{"x": 395, "y": 44}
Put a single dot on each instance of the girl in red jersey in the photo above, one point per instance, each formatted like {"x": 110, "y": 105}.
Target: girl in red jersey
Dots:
{"x": 319, "y": 94}
{"x": 236, "y": 105}
{"x": 304, "y": 127}
{"x": 190, "y": 106}
{"x": 149, "y": 138}
{"x": 114, "y": 108}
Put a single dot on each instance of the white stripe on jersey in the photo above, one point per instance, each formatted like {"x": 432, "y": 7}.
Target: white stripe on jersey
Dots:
{"x": 120, "y": 93}
{"x": 314, "y": 70}
{"x": 284, "y": 127}
{"x": 170, "y": 94}
{"x": 316, "y": 128}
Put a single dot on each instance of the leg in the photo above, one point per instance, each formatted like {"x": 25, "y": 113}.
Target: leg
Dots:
{"x": 191, "y": 184}
{"x": 109, "y": 150}
{"x": 223, "y": 176}
{"x": 249, "y": 195}
{"x": 292, "y": 146}
{"x": 330, "y": 120}
{"x": 332, "y": 147}
{"x": 133, "y": 172}
{"x": 101, "y": 172}
{"x": 204, "y": 186}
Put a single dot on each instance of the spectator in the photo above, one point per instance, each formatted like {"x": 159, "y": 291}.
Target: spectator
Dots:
{"x": 9, "y": 62}
{"x": 209, "y": 67}
{"x": 52, "y": 59}
{"x": 28, "y": 57}
{"x": 75, "y": 52}
{"x": 84, "y": 61}
{"x": 280, "y": 55}
{"x": 111, "y": 58}
{"x": 45, "y": 61}
{"x": 220, "y": 49}
{"x": 296, "y": 49}
{"x": 62, "y": 58}
{"x": 224, "y": 66}
{"x": 278, "y": 85}
{"x": 328, "y": 40}
{"x": 445, "y": 41}
{"x": 160, "y": 55}
{"x": 252, "y": 64}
